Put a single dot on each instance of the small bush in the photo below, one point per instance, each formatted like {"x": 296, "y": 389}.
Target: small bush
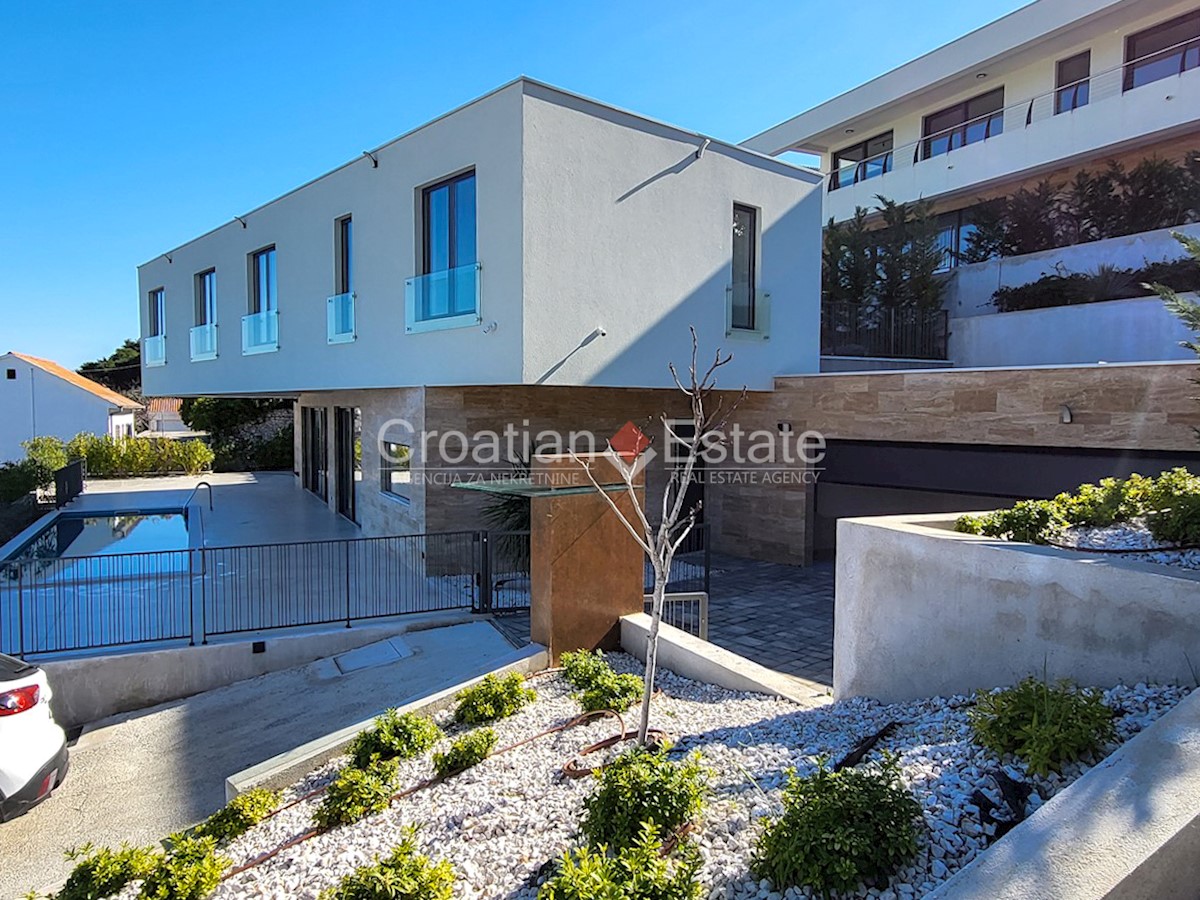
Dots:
{"x": 16, "y": 480}
{"x": 642, "y": 785}
{"x": 108, "y": 457}
{"x": 839, "y": 829}
{"x": 102, "y": 872}
{"x": 357, "y": 793}
{"x": 469, "y": 750}
{"x": 191, "y": 871}
{"x": 394, "y": 736}
{"x": 1031, "y": 521}
{"x": 493, "y": 698}
{"x": 639, "y": 872}
{"x": 1044, "y": 725}
{"x": 237, "y": 816}
{"x": 1179, "y": 524}
{"x": 47, "y": 455}
{"x": 599, "y": 686}
{"x": 404, "y": 874}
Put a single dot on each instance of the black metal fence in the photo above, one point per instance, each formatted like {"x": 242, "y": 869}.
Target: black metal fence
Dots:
{"x": 690, "y": 567}
{"x": 68, "y": 483}
{"x": 851, "y": 329}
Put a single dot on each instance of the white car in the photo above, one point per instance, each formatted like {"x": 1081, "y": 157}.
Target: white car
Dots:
{"x": 33, "y": 748}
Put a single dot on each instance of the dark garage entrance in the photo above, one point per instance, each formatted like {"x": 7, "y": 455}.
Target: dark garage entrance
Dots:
{"x": 879, "y": 478}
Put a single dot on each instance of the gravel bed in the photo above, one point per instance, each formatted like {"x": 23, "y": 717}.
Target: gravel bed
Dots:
{"x": 1132, "y": 535}
{"x": 501, "y": 822}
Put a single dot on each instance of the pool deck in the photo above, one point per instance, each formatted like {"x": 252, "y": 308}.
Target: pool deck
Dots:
{"x": 247, "y": 507}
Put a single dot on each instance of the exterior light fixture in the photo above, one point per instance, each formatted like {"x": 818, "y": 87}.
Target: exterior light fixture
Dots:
{"x": 849, "y": 131}
{"x": 981, "y": 74}
{"x": 373, "y": 158}
{"x": 240, "y": 219}
{"x": 704, "y": 146}
{"x": 168, "y": 258}
{"x": 1065, "y": 416}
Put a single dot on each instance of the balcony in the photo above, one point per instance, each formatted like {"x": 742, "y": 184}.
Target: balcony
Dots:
{"x": 204, "y": 341}
{"x": 847, "y": 175}
{"x": 260, "y": 332}
{"x": 446, "y": 299}
{"x": 848, "y": 329}
{"x": 340, "y": 324}
{"x": 154, "y": 350}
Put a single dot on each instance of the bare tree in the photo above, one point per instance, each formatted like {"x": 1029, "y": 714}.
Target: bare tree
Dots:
{"x": 661, "y": 541}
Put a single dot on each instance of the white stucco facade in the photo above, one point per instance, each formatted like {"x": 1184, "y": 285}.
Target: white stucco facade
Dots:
{"x": 601, "y": 237}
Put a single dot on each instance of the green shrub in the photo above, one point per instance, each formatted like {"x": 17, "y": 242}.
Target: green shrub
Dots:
{"x": 47, "y": 455}
{"x": 599, "y": 686}
{"x": 16, "y": 480}
{"x": 469, "y": 750}
{"x": 404, "y": 874}
{"x": 357, "y": 793}
{"x": 394, "y": 736}
{"x": 642, "y": 785}
{"x": 493, "y": 698}
{"x": 108, "y": 457}
{"x": 1180, "y": 523}
{"x": 237, "y": 816}
{"x": 839, "y": 829}
{"x": 1044, "y": 725}
{"x": 1031, "y": 521}
{"x": 191, "y": 871}
{"x": 102, "y": 872}
{"x": 640, "y": 871}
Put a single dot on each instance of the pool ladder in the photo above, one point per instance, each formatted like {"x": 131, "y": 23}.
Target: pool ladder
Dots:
{"x": 191, "y": 497}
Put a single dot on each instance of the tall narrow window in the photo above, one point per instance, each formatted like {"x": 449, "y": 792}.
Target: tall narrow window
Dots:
{"x": 262, "y": 293}
{"x": 449, "y": 224}
{"x": 963, "y": 123}
{"x": 206, "y": 297}
{"x": 1071, "y": 82}
{"x": 157, "y": 313}
{"x": 1169, "y": 48}
{"x": 745, "y": 241}
{"x": 345, "y": 255}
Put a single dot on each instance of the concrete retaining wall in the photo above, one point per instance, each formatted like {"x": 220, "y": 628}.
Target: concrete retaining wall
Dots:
{"x": 923, "y": 611}
{"x": 95, "y": 687}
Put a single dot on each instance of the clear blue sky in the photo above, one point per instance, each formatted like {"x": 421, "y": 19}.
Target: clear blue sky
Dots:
{"x": 127, "y": 128}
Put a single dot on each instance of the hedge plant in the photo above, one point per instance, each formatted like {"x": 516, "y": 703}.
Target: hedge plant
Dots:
{"x": 599, "y": 687}
{"x": 404, "y": 874}
{"x": 357, "y": 793}
{"x": 1044, "y": 725}
{"x": 493, "y": 698}
{"x": 394, "y": 736}
{"x": 237, "y": 816}
{"x": 839, "y": 829}
{"x": 469, "y": 750}
{"x": 103, "y": 872}
{"x": 191, "y": 871}
{"x": 641, "y": 871}
{"x": 642, "y": 785}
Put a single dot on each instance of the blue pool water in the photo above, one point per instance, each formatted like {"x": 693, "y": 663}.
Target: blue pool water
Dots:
{"x": 74, "y": 535}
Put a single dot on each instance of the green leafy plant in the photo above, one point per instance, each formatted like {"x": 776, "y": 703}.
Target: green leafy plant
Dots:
{"x": 642, "y": 785}
{"x": 191, "y": 871}
{"x": 47, "y": 455}
{"x": 599, "y": 686}
{"x": 357, "y": 793}
{"x": 394, "y": 736}
{"x": 17, "y": 479}
{"x": 102, "y": 872}
{"x": 641, "y": 871}
{"x": 493, "y": 698}
{"x": 1031, "y": 521}
{"x": 1043, "y": 724}
{"x": 404, "y": 874}
{"x": 109, "y": 457}
{"x": 839, "y": 829}
{"x": 1179, "y": 523}
{"x": 237, "y": 816}
{"x": 469, "y": 750}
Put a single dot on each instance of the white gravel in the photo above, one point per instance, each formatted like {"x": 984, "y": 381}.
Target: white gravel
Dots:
{"x": 501, "y": 821}
{"x": 1132, "y": 535}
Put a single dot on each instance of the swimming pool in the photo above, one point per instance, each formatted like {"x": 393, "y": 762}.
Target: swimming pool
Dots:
{"x": 72, "y": 535}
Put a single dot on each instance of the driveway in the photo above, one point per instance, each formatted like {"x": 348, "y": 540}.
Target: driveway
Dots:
{"x": 141, "y": 776}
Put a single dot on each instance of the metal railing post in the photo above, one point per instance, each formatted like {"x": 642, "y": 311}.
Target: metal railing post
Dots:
{"x": 203, "y": 596}
{"x": 347, "y": 581}
{"x": 706, "y": 535}
{"x": 21, "y": 609}
{"x": 191, "y": 600}
{"x": 485, "y": 572}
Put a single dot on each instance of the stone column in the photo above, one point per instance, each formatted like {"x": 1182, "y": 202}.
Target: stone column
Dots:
{"x": 586, "y": 570}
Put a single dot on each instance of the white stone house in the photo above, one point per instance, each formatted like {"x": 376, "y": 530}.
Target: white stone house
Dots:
{"x": 41, "y": 398}
{"x": 531, "y": 255}
{"x": 1054, "y": 87}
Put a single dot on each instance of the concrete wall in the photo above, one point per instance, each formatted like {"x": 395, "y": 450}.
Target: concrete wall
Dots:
{"x": 1138, "y": 330}
{"x": 36, "y": 404}
{"x": 970, "y": 288}
{"x": 582, "y": 223}
{"x": 923, "y": 611}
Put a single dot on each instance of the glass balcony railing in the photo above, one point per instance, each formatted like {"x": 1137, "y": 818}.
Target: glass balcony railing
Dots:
{"x": 260, "y": 332}
{"x": 446, "y": 299}
{"x": 747, "y": 312}
{"x": 340, "y": 322}
{"x": 204, "y": 341}
{"x": 154, "y": 350}
{"x": 854, "y": 172}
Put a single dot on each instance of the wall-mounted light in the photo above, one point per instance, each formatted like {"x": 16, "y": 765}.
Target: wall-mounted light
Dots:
{"x": 240, "y": 219}
{"x": 168, "y": 258}
{"x": 1065, "y": 415}
{"x": 490, "y": 327}
{"x": 981, "y": 74}
{"x": 704, "y": 146}
{"x": 373, "y": 158}
{"x": 849, "y": 131}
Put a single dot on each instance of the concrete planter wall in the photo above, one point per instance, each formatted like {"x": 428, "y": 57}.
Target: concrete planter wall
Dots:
{"x": 924, "y": 611}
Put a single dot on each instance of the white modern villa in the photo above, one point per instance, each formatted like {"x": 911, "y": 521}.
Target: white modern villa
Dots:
{"x": 1055, "y": 88}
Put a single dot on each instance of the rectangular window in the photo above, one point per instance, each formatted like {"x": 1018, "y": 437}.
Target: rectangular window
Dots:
{"x": 158, "y": 313}
{"x": 745, "y": 249}
{"x": 862, "y": 161}
{"x": 963, "y": 123}
{"x": 262, "y": 289}
{"x": 448, "y": 213}
{"x": 1071, "y": 82}
{"x": 1167, "y": 49}
{"x": 206, "y": 297}
{"x": 395, "y": 468}
{"x": 344, "y": 242}
{"x": 10, "y": 374}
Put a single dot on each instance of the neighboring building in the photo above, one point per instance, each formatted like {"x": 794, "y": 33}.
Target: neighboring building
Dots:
{"x": 163, "y": 418}
{"x": 1055, "y": 87}
{"x": 41, "y": 398}
{"x": 533, "y": 255}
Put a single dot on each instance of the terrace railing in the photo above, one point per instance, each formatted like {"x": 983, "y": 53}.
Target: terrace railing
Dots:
{"x": 850, "y": 329}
